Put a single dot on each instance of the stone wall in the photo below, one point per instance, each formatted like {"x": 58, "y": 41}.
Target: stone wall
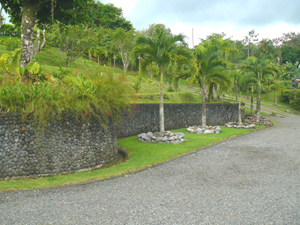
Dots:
{"x": 146, "y": 117}
{"x": 64, "y": 146}
{"x": 70, "y": 145}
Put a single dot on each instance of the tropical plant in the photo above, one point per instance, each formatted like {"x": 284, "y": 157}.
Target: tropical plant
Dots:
{"x": 293, "y": 70}
{"x": 260, "y": 70}
{"x": 209, "y": 68}
{"x": 10, "y": 61}
{"x": 160, "y": 49}
{"x": 243, "y": 81}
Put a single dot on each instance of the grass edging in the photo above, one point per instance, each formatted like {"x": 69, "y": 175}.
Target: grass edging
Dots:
{"x": 82, "y": 178}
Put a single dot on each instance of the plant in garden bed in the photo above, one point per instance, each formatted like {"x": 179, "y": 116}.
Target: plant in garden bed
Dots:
{"x": 44, "y": 97}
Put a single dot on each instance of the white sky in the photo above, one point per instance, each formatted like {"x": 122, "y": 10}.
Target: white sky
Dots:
{"x": 269, "y": 18}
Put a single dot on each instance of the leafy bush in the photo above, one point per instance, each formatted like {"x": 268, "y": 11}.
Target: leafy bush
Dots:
{"x": 48, "y": 97}
{"x": 292, "y": 97}
{"x": 10, "y": 30}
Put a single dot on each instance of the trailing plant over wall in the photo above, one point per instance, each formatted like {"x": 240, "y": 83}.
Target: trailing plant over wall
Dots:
{"x": 45, "y": 97}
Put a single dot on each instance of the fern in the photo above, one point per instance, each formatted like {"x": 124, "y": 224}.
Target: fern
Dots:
{"x": 10, "y": 61}
{"x": 33, "y": 67}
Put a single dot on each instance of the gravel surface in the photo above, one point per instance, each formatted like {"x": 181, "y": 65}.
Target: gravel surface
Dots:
{"x": 252, "y": 179}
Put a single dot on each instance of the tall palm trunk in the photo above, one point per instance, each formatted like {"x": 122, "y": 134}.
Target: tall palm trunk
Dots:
{"x": 240, "y": 106}
{"x": 258, "y": 103}
{"x": 252, "y": 101}
{"x": 247, "y": 93}
{"x": 236, "y": 91}
{"x": 203, "y": 94}
{"x": 161, "y": 105}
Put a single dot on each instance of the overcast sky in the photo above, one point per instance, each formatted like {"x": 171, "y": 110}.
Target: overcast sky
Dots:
{"x": 269, "y": 18}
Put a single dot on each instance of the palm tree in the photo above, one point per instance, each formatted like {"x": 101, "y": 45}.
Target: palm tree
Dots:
{"x": 160, "y": 49}
{"x": 209, "y": 68}
{"x": 243, "y": 81}
{"x": 259, "y": 69}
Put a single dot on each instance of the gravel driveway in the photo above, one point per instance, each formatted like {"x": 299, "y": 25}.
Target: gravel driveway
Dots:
{"x": 252, "y": 179}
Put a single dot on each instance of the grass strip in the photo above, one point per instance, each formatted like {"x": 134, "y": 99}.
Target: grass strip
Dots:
{"x": 140, "y": 156}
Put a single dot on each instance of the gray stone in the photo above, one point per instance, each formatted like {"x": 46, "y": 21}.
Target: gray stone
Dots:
{"x": 207, "y": 132}
{"x": 150, "y": 135}
{"x": 164, "y": 138}
{"x": 199, "y": 131}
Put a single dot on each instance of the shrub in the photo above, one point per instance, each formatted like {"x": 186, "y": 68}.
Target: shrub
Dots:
{"x": 292, "y": 97}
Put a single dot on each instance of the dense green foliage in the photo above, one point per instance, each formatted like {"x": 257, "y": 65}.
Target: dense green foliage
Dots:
{"x": 47, "y": 11}
{"x": 10, "y": 30}
{"x": 108, "y": 16}
{"x": 292, "y": 97}
{"x": 101, "y": 95}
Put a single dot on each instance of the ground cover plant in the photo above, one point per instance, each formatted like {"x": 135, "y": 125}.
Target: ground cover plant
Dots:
{"x": 140, "y": 156}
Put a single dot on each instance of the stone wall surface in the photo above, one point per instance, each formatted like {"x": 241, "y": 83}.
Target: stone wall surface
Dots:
{"x": 146, "y": 117}
{"x": 68, "y": 145}
{"x": 65, "y": 146}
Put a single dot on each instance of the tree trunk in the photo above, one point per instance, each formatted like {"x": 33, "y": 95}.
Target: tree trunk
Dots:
{"x": 44, "y": 40}
{"x": 240, "y": 106}
{"x": 179, "y": 85}
{"x": 276, "y": 98}
{"x": 37, "y": 42}
{"x": 258, "y": 103}
{"x": 252, "y": 101}
{"x": 248, "y": 49}
{"x": 210, "y": 93}
{"x": 27, "y": 37}
{"x": 161, "y": 105}
{"x": 114, "y": 60}
{"x": 203, "y": 94}
{"x": 247, "y": 93}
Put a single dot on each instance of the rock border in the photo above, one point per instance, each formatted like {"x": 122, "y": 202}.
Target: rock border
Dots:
{"x": 207, "y": 130}
{"x": 168, "y": 137}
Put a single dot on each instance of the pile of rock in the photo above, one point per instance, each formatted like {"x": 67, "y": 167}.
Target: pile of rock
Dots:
{"x": 251, "y": 119}
{"x": 240, "y": 126}
{"x": 202, "y": 130}
{"x": 167, "y": 137}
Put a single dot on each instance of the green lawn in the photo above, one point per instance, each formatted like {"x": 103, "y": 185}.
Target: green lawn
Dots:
{"x": 141, "y": 155}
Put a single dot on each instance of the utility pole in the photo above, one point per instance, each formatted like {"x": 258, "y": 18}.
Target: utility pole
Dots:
{"x": 193, "y": 37}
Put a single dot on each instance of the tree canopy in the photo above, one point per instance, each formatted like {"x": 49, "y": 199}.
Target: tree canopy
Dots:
{"x": 109, "y": 16}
